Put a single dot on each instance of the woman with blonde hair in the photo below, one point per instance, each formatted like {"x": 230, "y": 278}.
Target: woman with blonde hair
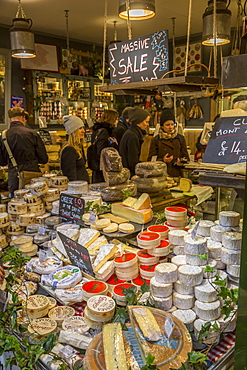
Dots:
{"x": 102, "y": 137}
{"x": 72, "y": 158}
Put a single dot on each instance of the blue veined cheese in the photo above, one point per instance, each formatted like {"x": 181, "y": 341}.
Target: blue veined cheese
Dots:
{"x": 232, "y": 240}
{"x": 66, "y": 277}
{"x": 47, "y": 267}
{"x": 208, "y": 310}
{"x": 187, "y": 317}
{"x": 206, "y": 292}
{"x": 183, "y": 301}
{"x": 195, "y": 246}
{"x": 190, "y": 275}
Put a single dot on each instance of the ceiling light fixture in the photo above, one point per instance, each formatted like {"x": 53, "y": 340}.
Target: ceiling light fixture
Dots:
{"x": 139, "y": 9}
{"x": 223, "y": 23}
{"x": 21, "y": 36}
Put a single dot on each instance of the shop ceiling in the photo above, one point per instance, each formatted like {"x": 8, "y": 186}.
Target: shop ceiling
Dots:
{"x": 86, "y": 18}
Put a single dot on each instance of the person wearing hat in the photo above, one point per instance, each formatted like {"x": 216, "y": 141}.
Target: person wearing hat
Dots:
{"x": 169, "y": 146}
{"x": 26, "y": 145}
{"x": 72, "y": 157}
{"x": 239, "y": 105}
{"x": 123, "y": 125}
{"x": 130, "y": 146}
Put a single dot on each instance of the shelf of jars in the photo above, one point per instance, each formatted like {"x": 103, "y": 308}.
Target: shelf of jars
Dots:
{"x": 79, "y": 95}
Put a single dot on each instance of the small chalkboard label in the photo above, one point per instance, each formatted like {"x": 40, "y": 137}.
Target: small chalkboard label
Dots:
{"x": 142, "y": 59}
{"x": 71, "y": 208}
{"x": 228, "y": 141}
{"x": 78, "y": 254}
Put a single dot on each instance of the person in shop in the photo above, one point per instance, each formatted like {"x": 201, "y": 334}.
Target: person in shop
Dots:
{"x": 102, "y": 137}
{"x": 123, "y": 125}
{"x": 26, "y": 145}
{"x": 169, "y": 146}
{"x": 239, "y": 107}
{"x": 72, "y": 157}
{"x": 130, "y": 146}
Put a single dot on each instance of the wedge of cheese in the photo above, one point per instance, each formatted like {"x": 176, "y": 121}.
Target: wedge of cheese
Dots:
{"x": 88, "y": 236}
{"x": 115, "y": 219}
{"x": 106, "y": 252}
{"x": 114, "y": 350}
{"x": 129, "y": 202}
{"x": 147, "y": 323}
{"x": 143, "y": 202}
{"x": 97, "y": 243}
{"x": 138, "y": 216}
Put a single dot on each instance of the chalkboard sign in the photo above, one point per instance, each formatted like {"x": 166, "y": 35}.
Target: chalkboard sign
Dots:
{"x": 142, "y": 59}
{"x": 70, "y": 208}
{"x": 228, "y": 141}
{"x": 78, "y": 254}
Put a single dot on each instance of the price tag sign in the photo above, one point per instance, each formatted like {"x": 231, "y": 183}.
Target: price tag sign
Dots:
{"x": 92, "y": 218}
{"x": 154, "y": 158}
{"x": 168, "y": 326}
{"x": 194, "y": 231}
{"x": 42, "y": 255}
{"x": 42, "y": 230}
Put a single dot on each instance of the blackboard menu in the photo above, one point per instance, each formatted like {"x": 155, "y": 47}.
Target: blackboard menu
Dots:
{"x": 228, "y": 141}
{"x": 78, "y": 254}
{"x": 71, "y": 208}
{"x": 141, "y": 59}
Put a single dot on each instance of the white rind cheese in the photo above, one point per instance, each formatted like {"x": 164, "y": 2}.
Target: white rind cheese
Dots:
{"x": 212, "y": 263}
{"x": 66, "y": 277}
{"x": 220, "y": 265}
{"x": 74, "y": 339}
{"x": 183, "y": 301}
{"x": 164, "y": 304}
{"x": 214, "y": 249}
{"x": 187, "y": 317}
{"x": 204, "y": 227}
{"x": 206, "y": 292}
{"x": 190, "y": 275}
{"x": 101, "y": 307}
{"x": 216, "y": 233}
{"x": 228, "y": 325}
{"x": 232, "y": 240}
{"x": 212, "y": 337}
{"x": 229, "y": 218}
{"x": 87, "y": 237}
{"x": 178, "y": 250}
{"x": 176, "y": 237}
{"x": 166, "y": 273}
{"x": 233, "y": 270}
{"x": 195, "y": 246}
{"x": 207, "y": 311}
{"x": 183, "y": 289}
{"x": 35, "y": 306}
{"x": 160, "y": 290}
{"x": 47, "y": 267}
{"x": 195, "y": 260}
{"x": 179, "y": 260}
{"x": 230, "y": 257}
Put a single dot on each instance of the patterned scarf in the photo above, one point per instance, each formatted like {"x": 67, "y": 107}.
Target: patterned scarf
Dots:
{"x": 166, "y": 136}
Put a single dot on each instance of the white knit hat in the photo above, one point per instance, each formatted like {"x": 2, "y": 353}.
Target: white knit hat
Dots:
{"x": 72, "y": 123}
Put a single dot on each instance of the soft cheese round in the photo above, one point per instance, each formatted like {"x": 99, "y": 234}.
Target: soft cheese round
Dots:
{"x": 60, "y": 313}
{"x": 204, "y": 227}
{"x": 166, "y": 273}
{"x": 178, "y": 249}
{"x": 233, "y": 270}
{"x": 229, "y": 218}
{"x": 101, "y": 306}
{"x": 206, "y": 292}
{"x": 183, "y": 289}
{"x": 42, "y": 327}
{"x": 207, "y": 310}
{"x": 230, "y": 257}
{"x": 190, "y": 275}
{"x": 66, "y": 277}
{"x": 160, "y": 290}
{"x": 48, "y": 266}
{"x": 195, "y": 246}
{"x": 214, "y": 249}
{"x": 183, "y": 301}
{"x": 179, "y": 260}
{"x": 35, "y": 306}
{"x": 176, "y": 237}
{"x": 164, "y": 304}
{"x": 187, "y": 317}
{"x": 195, "y": 260}
{"x": 232, "y": 240}
{"x": 216, "y": 233}
{"x": 75, "y": 324}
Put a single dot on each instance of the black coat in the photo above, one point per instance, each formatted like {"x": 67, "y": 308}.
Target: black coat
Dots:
{"x": 28, "y": 150}
{"x": 130, "y": 147}
{"x": 72, "y": 166}
{"x": 102, "y": 142}
{"x": 118, "y": 131}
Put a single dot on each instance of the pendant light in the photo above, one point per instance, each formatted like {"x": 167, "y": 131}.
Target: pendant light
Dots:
{"x": 138, "y": 9}
{"x": 223, "y": 23}
{"x": 21, "y": 36}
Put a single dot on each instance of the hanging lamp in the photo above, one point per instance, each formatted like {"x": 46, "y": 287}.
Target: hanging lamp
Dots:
{"x": 138, "y": 9}
{"x": 21, "y": 35}
{"x": 223, "y": 23}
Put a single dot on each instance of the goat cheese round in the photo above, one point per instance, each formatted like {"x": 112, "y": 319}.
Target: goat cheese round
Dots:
{"x": 176, "y": 237}
{"x": 212, "y": 337}
{"x": 48, "y": 266}
{"x": 183, "y": 289}
{"x": 166, "y": 273}
{"x": 233, "y": 270}
{"x": 206, "y": 292}
{"x": 195, "y": 246}
{"x": 204, "y": 227}
{"x": 179, "y": 260}
{"x": 229, "y": 218}
{"x": 187, "y": 317}
{"x": 207, "y": 311}
{"x": 160, "y": 290}
{"x": 163, "y": 303}
{"x": 195, "y": 260}
{"x": 232, "y": 240}
{"x": 60, "y": 313}
{"x": 75, "y": 324}
{"x": 190, "y": 275}
{"x": 183, "y": 301}
{"x": 216, "y": 233}
{"x": 178, "y": 249}
{"x": 230, "y": 257}
{"x": 214, "y": 249}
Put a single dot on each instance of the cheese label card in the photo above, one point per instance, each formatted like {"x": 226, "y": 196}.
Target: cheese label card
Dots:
{"x": 42, "y": 230}
{"x": 194, "y": 231}
{"x": 92, "y": 218}
{"x": 71, "y": 208}
{"x": 78, "y": 254}
{"x": 169, "y": 326}
{"x": 66, "y": 352}
{"x": 42, "y": 255}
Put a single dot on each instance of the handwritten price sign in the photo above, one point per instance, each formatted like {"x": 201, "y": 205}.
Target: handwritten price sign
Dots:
{"x": 70, "y": 208}
{"x": 228, "y": 142}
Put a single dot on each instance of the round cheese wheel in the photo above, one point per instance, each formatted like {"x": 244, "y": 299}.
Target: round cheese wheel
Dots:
{"x": 166, "y": 273}
{"x": 147, "y": 259}
{"x": 148, "y": 240}
{"x": 61, "y": 313}
{"x": 140, "y": 281}
{"x": 96, "y": 325}
{"x": 178, "y": 250}
{"x": 52, "y": 221}
{"x": 232, "y": 240}
{"x": 86, "y": 217}
{"x": 19, "y": 194}
{"x": 220, "y": 265}
{"x": 17, "y": 208}
{"x": 216, "y": 233}
{"x": 147, "y": 272}
{"x": 115, "y": 192}
{"x": 183, "y": 289}
{"x": 102, "y": 223}
{"x": 35, "y": 306}
{"x": 228, "y": 325}
{"x": 233, "y": 270}
{"x": 41, "y": 218}
{"x": 77, "y": 187}
{"x": 50, "y": 265}
{"x": 149, "y": 185}
{"x": 195, "y": 260}
{"x": 204, "y": 227}
{"x": 113, "y": 281}
{"x": 214, "y": 249}
{"x": 101, "y": 307}
{"x": 150, "y": 169}
{"x": 39, "y": 188}
{"x": 23, "y": 241}
{"x": 176, "y": 237}
{"x": 160, "y": 290}
{"x": 162, "y": 250}
{"x": 112, "y": 228}
{"x": 179, "y": 260}
{"x": 51, "y": 195}
{"x": 175, "y": 211}
{"x": 164, "y": 304}
{"x": 94, "y": 287}
{"x": 26, "y": 219}
{"x": 66, "y": 277}
{"x": 3, "y": 241}
{"x": 206, "y": 292}
{"x": 195, "y": 246}
{"x": 75, "y": 324}
{"x": 14, "y": 229}
{"x": 126, "y": 260}
{"x": 187, "y": 317}
{"x": 59, "y": 182}
{"x": 37, "y": 209}
{"x": 212, "y": 336}
{"x": 160, "y": 229}
{"x": 229, "y": 218}
{"x": 190, "y": 275}
{"x": 118, "y": 292}
{"x": 129, "y": 273}
{"x": 42, "y": 327}
{"x": 230, "y": 257}
{"x": 32, "y": 199}
{"x": 183, "y": 301}
{"x": 127, "y": 228}
{"x": 207, "y": 311}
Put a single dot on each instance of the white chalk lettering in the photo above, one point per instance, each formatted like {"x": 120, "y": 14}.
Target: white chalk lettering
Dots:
{"x": 121, "y": 66}
{"x": 136, "y": 45}
{"x": 239, "y": 121}
{"x": 142, "y": 68}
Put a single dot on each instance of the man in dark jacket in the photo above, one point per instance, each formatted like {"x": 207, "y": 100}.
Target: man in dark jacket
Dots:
{"x": 130, "y": 146}
{"x": 123, "y": 125}
{"x": 26, "y": 146}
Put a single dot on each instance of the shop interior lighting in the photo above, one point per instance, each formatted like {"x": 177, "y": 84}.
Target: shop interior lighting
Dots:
{"x": 223, "y": 23}
{"x": 21, "y": 35}
{"x": 139, "y": 9}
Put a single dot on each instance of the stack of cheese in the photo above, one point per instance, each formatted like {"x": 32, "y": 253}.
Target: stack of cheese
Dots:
{"x": 150, "y": 177}
{"x": 100, "y": 310}
{"x": 112, "y": 167}
{"x": 135, "y": 210}
{"x": 176, "y": 217}
{"x": 127, "y": 266}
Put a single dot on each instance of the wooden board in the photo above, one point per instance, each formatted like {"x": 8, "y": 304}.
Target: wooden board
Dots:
{"x": 113, "y": 218}
{"x": 168, "y": 353}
